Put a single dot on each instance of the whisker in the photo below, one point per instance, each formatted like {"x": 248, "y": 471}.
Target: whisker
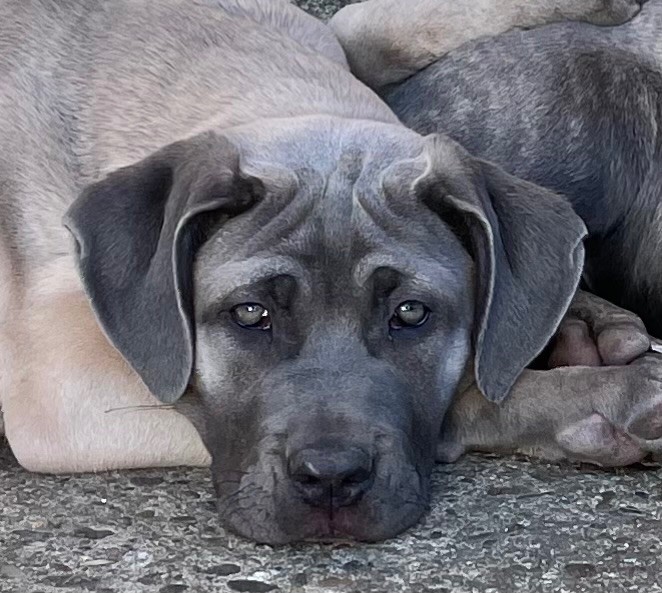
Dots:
{"x": 141, "y": 407}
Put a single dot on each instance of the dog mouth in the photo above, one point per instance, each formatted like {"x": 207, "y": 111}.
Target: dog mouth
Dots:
{"x": 280, "y": 516}
{"x": 337, "y": 526}
{"x": 345, "y": 526}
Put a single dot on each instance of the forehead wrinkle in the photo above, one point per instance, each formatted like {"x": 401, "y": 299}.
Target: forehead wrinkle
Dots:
{"x": 335, "y": 205}
{"x": 409, "y": 266}
{"x": 229, "y": 276}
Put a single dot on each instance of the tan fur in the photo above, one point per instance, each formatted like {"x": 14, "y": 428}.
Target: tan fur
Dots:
{"x": 5, "y": 299}
{"x": 73, "y": 404}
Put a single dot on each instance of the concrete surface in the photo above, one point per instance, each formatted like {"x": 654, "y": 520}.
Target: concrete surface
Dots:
{"x": 496, "y": 526}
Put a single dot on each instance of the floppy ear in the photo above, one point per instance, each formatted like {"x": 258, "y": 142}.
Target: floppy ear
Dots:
{"x": 527, "y": 246}
{"x": 137, "y": 232}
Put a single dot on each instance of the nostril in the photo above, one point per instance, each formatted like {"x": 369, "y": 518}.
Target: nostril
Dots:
{"x": 306, "y": 480}
{"x": 357, "y": 477}
{"x": 331, "y": 476}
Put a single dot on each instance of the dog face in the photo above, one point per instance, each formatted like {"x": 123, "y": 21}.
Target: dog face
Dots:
{"x": 317, "y": 289}
{"x": 332, "y": 324}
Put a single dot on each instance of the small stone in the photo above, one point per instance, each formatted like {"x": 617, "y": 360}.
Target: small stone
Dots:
{"x": 580, "y": 569}
{"x": 150, "y": 579}
{"x": 138, "y": 558}
{"x": 29, "y": 535}
{"x": 146, "y": 480}
{"x": 11, "y": 572}
{"x": 72, "y": 582}
{"x": 173, "y": 588}
{"x": 146, "y": 514}
{"x": 59, "y": 567}
{"x": 506, "y": 491}
{"x": 90, "y": 533}
{"x": 97, "y": 562}
{"x": 186, "y": 519}
{"x": 223, "y": 570}
{"x": 606, "y": 497}
{"x": 249, "y": 586}
{"x": 332, "y": 583}
{"x": 515, "y": 528}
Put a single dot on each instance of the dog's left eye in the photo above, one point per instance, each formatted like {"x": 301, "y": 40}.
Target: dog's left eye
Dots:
{"x": 251, "y": 316}
{"x": 409, "y": 314}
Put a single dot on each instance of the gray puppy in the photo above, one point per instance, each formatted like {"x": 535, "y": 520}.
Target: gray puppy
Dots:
{"x": 260, "y": 243}
{"x": 572, "y": 107}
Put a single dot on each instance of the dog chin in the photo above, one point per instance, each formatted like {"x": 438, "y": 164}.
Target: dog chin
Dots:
{"x": 352, "y": 526}
{"x": 318, "y": 528}
{"x": 313, "y": 525}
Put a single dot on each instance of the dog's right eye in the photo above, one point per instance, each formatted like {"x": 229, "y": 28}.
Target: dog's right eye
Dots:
{"x": 251, "y": 316}
{"x": 409, "y": 314}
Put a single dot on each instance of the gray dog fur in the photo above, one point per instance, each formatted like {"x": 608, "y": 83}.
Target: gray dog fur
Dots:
{"x": 211, "y": 154}
{"x": 586, "y": 125}
{"x": 572, "y": 107}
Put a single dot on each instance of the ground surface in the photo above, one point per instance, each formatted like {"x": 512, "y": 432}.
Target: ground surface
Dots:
{"x": 497, "y": 526}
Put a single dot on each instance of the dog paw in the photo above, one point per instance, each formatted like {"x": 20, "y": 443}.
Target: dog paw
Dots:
{"x": 626, "y": 425}
{"x": 615, "y": 12}
{"x": 594, "y": 332}
{"x": 596, "y": 440}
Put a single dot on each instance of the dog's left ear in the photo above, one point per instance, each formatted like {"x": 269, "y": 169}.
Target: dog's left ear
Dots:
{"x": 137, "y": 233}
{"x": 527, "y": 246}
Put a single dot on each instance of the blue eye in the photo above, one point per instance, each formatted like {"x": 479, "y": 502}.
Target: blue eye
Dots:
{"x": 409, "y": 314}
{"x": 251, "y": 316}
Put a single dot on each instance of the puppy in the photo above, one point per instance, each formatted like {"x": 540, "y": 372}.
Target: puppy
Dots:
{"x": 260, "y": 267}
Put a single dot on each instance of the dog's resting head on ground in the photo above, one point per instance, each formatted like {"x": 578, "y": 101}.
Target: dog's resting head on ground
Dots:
{"x": 317, "y": 287}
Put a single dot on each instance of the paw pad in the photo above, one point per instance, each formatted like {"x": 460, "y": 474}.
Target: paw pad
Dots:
{"x": 596, "y": 440}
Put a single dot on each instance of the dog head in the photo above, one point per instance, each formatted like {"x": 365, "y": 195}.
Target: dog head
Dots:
{"x": 317, "y": 289}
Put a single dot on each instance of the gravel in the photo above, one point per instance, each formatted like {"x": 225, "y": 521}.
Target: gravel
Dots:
{"x": 496, "y": 525}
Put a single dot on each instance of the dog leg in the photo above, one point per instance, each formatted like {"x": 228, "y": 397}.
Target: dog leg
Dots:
{"x": 387, "y": 41}
{"x": 595, "y": 332}
{"x": 607, "y": 415}
{"x": 73, "y": 404}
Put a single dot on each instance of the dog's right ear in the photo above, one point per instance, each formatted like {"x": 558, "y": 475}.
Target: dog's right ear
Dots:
{"x": 527, "y": 246}
{"x": 137, "y": 232}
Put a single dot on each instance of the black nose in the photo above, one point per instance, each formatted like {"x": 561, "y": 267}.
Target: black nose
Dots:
{"x": 331, "y": 477}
